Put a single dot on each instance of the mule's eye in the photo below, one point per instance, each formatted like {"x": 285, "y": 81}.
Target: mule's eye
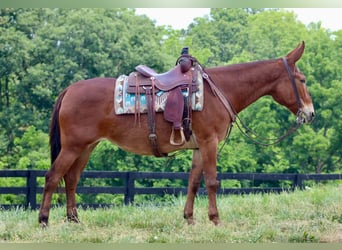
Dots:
{"x": 302, "y": 81}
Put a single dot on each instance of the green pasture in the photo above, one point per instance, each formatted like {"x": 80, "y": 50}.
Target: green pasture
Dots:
{"x": 311, "y": 215}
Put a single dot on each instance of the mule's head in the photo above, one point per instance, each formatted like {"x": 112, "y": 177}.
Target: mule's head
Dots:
{"x": 291, "y": 91}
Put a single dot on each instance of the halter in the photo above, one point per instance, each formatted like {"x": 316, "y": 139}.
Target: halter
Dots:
{"x": 245, "y": 130}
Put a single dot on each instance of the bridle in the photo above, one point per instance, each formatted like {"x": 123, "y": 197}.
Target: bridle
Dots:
{"x": 294, "y": 85}
{"x": 244, "y": 129}
{"x": 299, "y": 115}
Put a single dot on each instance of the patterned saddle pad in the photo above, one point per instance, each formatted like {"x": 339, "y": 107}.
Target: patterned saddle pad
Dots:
{"x": 124, "y": 103}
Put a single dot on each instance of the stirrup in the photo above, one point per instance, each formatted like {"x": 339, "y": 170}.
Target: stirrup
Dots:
{"x": 172, "y": 138}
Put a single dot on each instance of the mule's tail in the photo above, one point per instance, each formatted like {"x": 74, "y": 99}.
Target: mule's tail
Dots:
{"x": 55, "y": 139}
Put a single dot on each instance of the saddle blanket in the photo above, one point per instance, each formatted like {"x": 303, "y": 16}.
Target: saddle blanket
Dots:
{"x": 124, "y": 103}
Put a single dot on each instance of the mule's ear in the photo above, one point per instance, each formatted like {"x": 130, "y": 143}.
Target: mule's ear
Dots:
{"x": 296, "y": 54}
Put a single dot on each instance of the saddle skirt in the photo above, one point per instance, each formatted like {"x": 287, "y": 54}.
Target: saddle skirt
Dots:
{"x": 125, "y": 101}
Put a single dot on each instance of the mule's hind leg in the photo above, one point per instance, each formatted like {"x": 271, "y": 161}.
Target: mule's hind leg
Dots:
{"x": 71, "y": 179}
{"x": 193, "y": 186}
{"x": 58, "y": 169}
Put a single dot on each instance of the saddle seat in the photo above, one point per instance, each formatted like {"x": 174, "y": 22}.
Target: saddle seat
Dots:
{"x": 165, "y": 81}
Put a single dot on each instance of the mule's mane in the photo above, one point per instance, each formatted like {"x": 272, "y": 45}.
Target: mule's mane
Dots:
{"x": 250, "y": 67}
{"x": 244, "y": 83}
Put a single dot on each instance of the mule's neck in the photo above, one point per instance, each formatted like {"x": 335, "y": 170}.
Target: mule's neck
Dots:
{"x": 244, "y": 83}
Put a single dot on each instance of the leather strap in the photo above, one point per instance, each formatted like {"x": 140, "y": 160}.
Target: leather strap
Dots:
{"x": 218, "y": 92}
{"x": 188, "y": 106}
{"x": 293, "y": 82}
{"x": 150, "y": 95}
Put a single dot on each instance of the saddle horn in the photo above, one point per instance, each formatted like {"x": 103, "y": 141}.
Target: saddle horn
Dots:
{"x": 184, "y": 61}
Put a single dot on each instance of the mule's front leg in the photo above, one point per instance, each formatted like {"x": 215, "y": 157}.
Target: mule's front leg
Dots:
{"x": 212, "y": 185}
{"x": 209, "y": 154}
{"x": 194, "y": 182}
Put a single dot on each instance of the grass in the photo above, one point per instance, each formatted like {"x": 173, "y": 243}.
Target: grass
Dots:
{"x": 312, "y": 215}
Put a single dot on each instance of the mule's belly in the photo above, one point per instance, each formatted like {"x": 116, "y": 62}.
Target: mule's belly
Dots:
{"x": 144, "y": 147}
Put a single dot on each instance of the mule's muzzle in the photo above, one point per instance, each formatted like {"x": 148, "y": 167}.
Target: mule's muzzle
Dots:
{"x": 309, "y": 117}
{"x": 305, "y": 115}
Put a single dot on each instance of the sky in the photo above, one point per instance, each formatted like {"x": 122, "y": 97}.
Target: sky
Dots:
{"x": 178, "y": 18}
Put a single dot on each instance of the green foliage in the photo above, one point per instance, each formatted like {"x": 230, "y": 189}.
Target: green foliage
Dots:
{"x": 42, "y": 51}
{"x": 271, "y": 33}
{"x": 32, "y": 150}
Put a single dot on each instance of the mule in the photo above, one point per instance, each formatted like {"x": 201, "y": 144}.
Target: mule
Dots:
{"x": 83, "y": 115}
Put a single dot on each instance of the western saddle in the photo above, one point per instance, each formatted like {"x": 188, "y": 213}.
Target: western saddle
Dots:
{"x": 178, "y": 108}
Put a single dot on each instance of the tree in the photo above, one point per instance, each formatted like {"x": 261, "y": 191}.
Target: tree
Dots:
{"x": 42, "y": 51}
{"x": 45, "y": 50}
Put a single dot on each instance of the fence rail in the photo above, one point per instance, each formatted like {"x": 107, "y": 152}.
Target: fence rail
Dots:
{"x": 129, "y": 189}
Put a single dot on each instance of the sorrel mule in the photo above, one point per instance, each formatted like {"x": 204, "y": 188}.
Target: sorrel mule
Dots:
{"x": 83, "y": 115}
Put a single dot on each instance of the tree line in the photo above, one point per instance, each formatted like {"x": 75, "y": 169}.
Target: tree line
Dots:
{"x": 42, "y": 51}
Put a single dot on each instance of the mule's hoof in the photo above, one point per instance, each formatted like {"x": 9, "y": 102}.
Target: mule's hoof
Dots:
{"x": 215, "y": 219}
{"x": 43, "y": 225}
{"x": 73, "y": 218}
{"x": 190, "y": 221}
{"x": 43, "y": 221}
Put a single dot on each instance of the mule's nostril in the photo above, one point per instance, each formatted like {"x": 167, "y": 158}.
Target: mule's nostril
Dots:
{"x": 312, "y": 117}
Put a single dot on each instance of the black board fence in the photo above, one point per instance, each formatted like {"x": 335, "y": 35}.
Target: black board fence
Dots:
{"x": 129, "y": 189}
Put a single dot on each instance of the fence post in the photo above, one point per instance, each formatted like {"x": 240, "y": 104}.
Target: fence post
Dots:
{"x": 31, "y": 184}
{"x": 129, "y": 195}
{"x": 298, "y": 183}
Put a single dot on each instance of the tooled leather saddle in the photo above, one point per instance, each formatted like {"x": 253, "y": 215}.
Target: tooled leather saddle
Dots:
{"x": 178, "y": 110}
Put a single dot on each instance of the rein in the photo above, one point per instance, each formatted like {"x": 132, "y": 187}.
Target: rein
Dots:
{"x": 244, "y": 129}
